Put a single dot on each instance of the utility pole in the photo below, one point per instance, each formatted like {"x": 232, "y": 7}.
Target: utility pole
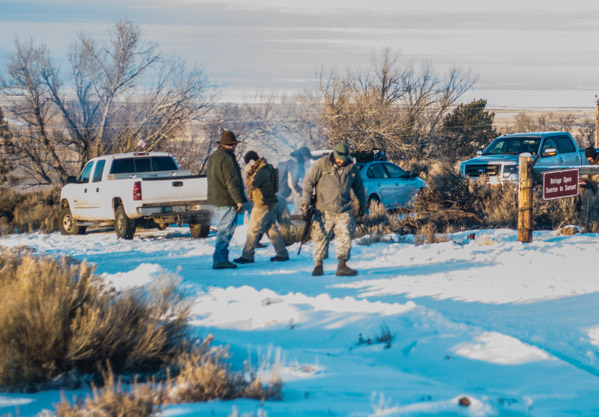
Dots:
{"x": 596, "y": 122}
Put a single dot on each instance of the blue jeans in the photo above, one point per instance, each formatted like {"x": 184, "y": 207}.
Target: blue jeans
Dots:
{"x": 225, "y": 219}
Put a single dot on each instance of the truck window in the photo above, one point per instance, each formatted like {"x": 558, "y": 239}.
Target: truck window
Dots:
{"x": 550, "y": 143}
{"x": 122, "y": 166}
{"x": 565, "y": 145}
{"x": 163, "y": 163}
{"x": 99, "y": 170}
{"x": 85, "y": 174}
{"x": 143, "y": 165}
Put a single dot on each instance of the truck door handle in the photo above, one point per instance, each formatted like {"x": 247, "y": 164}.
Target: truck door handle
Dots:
{"x": 98, "y": 189}
{"x": 85, "y": 190}
{"x": 177, "y": 183}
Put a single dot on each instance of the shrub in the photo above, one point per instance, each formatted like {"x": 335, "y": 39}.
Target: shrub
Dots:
{"x": 58, "y": 322}
{"x": 141, "y": 400}
{"x": 29, "y": 212}
{"x": 204, "y": 375}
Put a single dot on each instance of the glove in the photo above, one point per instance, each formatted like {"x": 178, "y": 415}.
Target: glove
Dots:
{"x": 361, "y": 211}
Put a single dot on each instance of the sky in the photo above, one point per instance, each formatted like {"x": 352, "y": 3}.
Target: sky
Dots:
{"x": 512, "y": 326}
{"x": 525, "y": 53}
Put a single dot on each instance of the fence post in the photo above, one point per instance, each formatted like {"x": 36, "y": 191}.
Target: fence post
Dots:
{"x": 525, "y": 198}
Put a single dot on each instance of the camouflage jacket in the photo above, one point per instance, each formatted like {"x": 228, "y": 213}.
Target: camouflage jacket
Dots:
{"x": 262, "y": 182}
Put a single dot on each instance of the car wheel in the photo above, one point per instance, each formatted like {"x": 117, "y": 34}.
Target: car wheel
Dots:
{"x": 373, "y": 199}
{"x": 123, "y": 225}
{"x": 67, "y": 224}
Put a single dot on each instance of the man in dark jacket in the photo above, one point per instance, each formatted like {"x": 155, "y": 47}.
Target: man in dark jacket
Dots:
{"x": 332, "y": 177}
{"x": 225, "y": 194}
{"x": 262, "y": 184}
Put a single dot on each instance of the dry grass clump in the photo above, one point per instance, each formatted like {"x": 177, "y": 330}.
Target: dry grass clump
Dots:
{"x": 202, "y": 375}
{"x": 140, "y": 400}
{"x": 376, "y": 225}
{"x": 29, "y": 212}
{"x": 58, "y": 322}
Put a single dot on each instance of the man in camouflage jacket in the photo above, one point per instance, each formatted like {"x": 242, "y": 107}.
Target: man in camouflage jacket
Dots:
{"x": 262, "y": 184}
{"x": 333, "y": 177}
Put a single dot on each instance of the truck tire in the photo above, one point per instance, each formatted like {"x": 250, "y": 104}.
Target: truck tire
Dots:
{"x": 67, "y": 225}
{"x": 123, "y": 225}
{"x": 199, "y": 230}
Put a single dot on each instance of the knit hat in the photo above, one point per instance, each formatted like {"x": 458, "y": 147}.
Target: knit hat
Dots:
{"x": 228, "y": 138}
{"x": 341, "y": 152}
{"x": 250, "y": 156}
{"x": 590, "y": 152}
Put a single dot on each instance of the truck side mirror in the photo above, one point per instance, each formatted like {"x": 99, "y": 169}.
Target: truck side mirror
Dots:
{"x": 479, "y": 152}
{"x": 549, "y": 152}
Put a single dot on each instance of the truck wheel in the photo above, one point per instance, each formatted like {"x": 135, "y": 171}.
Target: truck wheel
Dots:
{"x": 67, "y": 224}
{"x": 199, "y": 230}
{"x": 123, "y": 225}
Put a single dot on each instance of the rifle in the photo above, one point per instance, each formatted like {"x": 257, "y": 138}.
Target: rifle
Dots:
{"x": 308, "y": 217}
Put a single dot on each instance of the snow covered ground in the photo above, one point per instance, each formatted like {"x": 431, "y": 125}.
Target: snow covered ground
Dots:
{"x": 512, "y": 326}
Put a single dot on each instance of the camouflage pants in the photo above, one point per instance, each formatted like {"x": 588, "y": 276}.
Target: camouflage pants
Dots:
{"x": 326, "y": 225}
{"x": 263, "y": 220}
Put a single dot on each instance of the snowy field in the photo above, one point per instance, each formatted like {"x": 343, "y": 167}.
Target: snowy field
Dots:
{"x": 513, "y": 327}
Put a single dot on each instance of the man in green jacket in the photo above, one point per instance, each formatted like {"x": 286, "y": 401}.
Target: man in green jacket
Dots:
{"x": 332, "y": 177}
{"x": 225, "y": 194}
{"x": 262, "y": 183}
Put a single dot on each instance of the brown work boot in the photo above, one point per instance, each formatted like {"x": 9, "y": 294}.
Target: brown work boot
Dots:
{"x": 318, "y": 269}
{"x": 343, "y": 270}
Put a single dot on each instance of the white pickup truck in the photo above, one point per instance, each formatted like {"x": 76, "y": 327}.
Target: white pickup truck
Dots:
{"x": 133, "y": 189}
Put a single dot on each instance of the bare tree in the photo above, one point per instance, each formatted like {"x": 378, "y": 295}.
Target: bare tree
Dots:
{"x": 121, "y": 95}
{"x": 388, "y": 105}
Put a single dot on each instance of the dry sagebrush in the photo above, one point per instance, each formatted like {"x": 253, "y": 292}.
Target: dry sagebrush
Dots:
{"x": 29, "y": 212}
{"x": 58, "y": 322}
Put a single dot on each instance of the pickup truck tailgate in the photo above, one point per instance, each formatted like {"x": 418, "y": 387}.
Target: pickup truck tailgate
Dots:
{"x": 174, "y": 189}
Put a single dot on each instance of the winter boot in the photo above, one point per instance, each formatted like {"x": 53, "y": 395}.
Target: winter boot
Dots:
{"x": 343, "y": 270}
{"x": 318, "y": 269}
{"x": 242, "y": 260}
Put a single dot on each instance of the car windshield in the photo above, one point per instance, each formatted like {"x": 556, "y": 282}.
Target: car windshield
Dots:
{"x": 513, "y": 146}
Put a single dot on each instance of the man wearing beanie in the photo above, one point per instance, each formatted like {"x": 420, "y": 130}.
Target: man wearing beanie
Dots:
{"x": 262, "y": 182}
{"x": 225, "y": 194}
{"x": 332, "y": 178}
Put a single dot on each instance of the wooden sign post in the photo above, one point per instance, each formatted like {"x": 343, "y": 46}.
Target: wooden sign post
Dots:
{"x": 525, "y": 198}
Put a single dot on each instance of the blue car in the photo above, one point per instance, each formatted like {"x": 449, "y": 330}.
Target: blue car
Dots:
{"x": 388, "y": 184}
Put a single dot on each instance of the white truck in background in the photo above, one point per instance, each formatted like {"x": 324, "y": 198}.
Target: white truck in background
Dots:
{"x": 133, "y": 189}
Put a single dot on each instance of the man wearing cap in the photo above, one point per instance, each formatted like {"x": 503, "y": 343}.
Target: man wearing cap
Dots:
{"x": 262, "y": 182}
{"x": 225, "y": 194}
{"x": 332, "y": 178}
